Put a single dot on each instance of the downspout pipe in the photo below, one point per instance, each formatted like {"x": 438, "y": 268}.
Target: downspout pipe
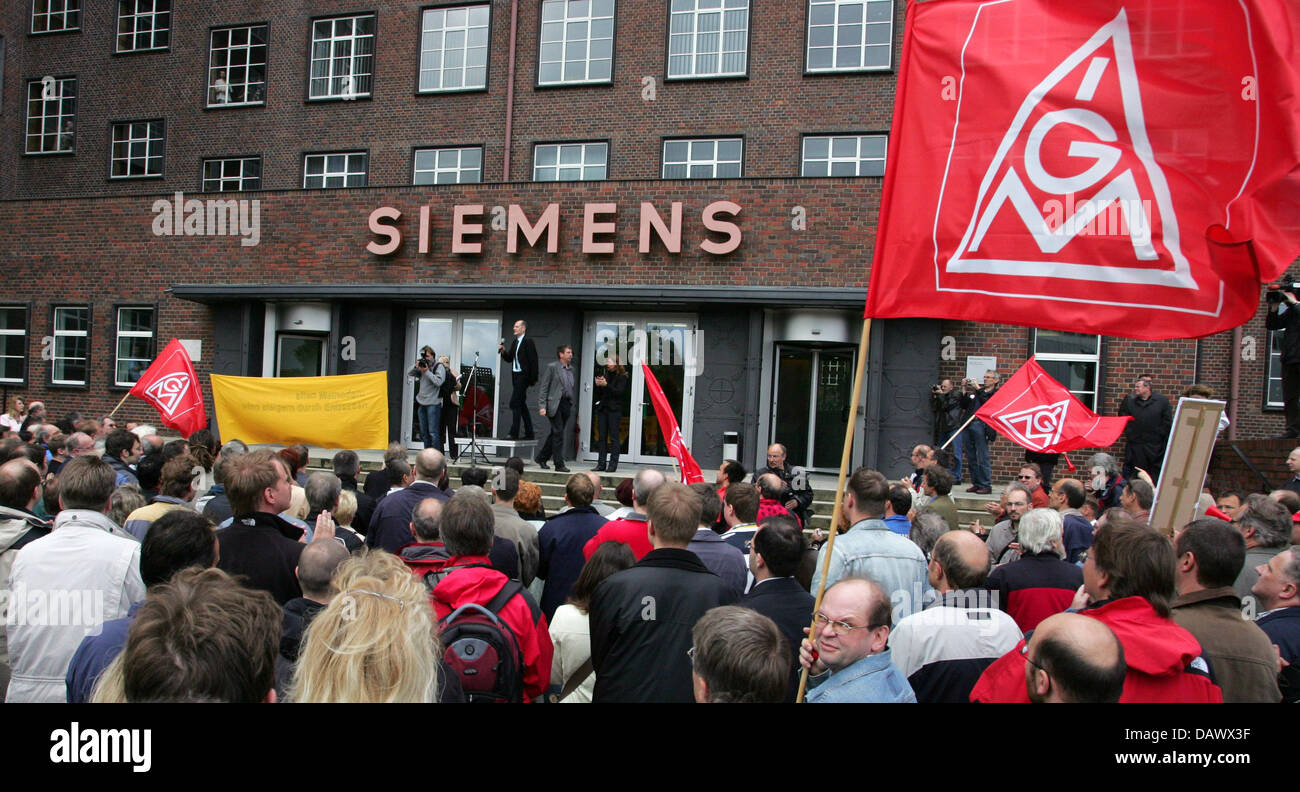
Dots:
{"x": 510, "y": 88}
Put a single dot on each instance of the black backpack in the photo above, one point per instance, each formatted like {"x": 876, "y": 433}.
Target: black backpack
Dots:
{"x": 482, "y": 650}
{"x": 448, "y": 384}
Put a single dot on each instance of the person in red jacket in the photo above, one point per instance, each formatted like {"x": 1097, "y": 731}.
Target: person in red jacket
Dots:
{"x": 467, "y": 529}
{"x": 1128, "y": 585}
{"x": 631, "y": 530}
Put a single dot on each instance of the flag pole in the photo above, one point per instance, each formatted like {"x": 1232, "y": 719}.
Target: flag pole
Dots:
{"x": 957, "y": 433}
{"x": 839, "y": 487}
{"x": 119, "y": 405}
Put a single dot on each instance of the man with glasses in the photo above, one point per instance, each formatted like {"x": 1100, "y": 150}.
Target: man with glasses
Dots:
{"x": 848, "y": 658}
{"x": 1031, "y": 476}
{"x": 1002, "y": 543}
{"x": 1072, "y": 659}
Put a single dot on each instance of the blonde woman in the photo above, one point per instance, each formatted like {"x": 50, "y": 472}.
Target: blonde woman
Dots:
{"x": 375, "y": 642}
{"x": 13, "y": 420}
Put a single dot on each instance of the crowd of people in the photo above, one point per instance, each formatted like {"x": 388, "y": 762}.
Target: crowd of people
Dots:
{"x": 139, "y": 569}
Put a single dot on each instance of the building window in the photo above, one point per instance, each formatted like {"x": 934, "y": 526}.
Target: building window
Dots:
{"x": 714, "y": 158}
{"x": 237, "y": 66}
{"x": 342, "y": 57}
{"x": 135, "y": 340}
{"x": 55, "y": 16}
{"x": 71, "y": 353}
{"x": 1072, "y": 359}
{"x": 300, "y": 355}
{"x": 844, "y": 155}
{"x": 51, "y": 115}
{"x": 570, "y": 161}
{"x": 232, "y": 175}
{"x": 143, "y": 25}
{"x": 337, "y": 169}
{"x": 448, "y": 165}
{"x": 454, "y": 48}
{"x": 850, "y": 35}
{"x": 577, "y": 43}
{"x": 137, "y": 150}
{"x": 1273, "y": 379}
{"x": 13, "y": 344}
{"x": 708, "y": 38}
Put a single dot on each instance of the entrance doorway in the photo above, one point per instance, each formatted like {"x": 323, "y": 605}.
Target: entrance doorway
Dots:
{"x": 667, "y": 345}
{"x": 459, "y": 336}
{"x": 811, "y": 406}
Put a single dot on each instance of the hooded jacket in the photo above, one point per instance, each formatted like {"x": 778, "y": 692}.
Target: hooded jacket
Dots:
{"x": 17, "y": 529}
{"x": 1164, "y": 660}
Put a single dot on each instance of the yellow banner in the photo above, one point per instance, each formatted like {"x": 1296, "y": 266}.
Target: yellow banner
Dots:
{"x": 346, "y": 411}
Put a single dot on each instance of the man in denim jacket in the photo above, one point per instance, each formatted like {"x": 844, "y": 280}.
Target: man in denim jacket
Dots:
{"x": 851, "y": 644}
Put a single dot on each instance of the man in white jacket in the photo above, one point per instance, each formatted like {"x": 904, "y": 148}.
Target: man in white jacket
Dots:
{"x": 65, "y": 585}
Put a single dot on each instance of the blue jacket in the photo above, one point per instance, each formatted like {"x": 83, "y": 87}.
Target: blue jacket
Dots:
{"x": 722, "y": 558}
{"x": 871, "y": 680}
{"x": 390, "y": 525}
{"x": 560, "y": 559}
{"x": 873, "y": 551}
{"x": 96, "y": 653}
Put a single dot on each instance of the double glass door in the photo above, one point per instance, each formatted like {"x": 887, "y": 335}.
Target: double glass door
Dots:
{"x": 811, "y": 407}
{"x": 459, "y": 336}
{"x": 667, "y": 346}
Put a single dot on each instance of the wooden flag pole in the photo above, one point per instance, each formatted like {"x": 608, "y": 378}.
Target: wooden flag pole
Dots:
{"x": 839, "y": 487}
{"x": 119, "y": 405}
{"x": 957, "y": 433}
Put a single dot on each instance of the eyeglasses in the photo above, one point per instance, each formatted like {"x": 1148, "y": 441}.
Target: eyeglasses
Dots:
{"x": 821, "y": 620}
{"x": 1025, "y": 478}
{"x": 1024, "y": 652}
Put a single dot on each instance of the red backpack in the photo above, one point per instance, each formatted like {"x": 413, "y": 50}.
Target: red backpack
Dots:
{"x": 482, "y": 650}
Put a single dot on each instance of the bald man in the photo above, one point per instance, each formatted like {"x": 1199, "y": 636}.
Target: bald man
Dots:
{"x": 390, "y": 525}
{"x": 1073, "y": 658}
{"x": 943, "y": 649}
{"x": 848, "y": 657}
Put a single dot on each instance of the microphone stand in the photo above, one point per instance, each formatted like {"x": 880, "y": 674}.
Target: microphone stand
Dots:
{"x": 475, "y": 450}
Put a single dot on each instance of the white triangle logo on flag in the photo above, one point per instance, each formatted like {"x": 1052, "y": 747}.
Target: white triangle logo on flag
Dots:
{"x": 168, "y": 391}
{"x": 1038, "y": 427}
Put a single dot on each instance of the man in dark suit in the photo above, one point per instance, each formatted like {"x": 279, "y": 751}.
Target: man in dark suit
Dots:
{"x": 777, "y": 549}
{"x": 556, "y": 399}
{"x": 522, "y": 357}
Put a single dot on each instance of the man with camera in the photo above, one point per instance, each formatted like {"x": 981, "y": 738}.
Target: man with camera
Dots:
{"x": 428, "y": 399}
{"x": 1284, "y": 315}
{"x": 951, "y": 409}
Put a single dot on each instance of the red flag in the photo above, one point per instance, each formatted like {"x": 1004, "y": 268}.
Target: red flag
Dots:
{"x": 1122, "y": 167}
{"x": 1037, "y": 412}
{"x": 172, "y": 387}
{"x": 691, "y": 472}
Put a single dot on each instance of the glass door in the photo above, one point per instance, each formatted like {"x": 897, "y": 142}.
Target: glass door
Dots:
{"x": 811, "y": 407}
{"x": 459, "y": 336}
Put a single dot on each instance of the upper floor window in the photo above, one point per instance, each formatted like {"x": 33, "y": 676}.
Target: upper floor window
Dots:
{"x": 70, "y": 359}
{"x": 844, "y": 155}
{"x": 135, "y": 341}
{"x": 13, "y": 343}
{"x": 342, "y": 57}
{"x": 448, "y": 165}
{"x": 237, "y": 66}
{"x": 137, "y": 150}
{"x": 454, "y": 48}
{"x": 850, "y": 35}
{"x": 1273, "y": 371}
{"x": 55, "y": 16}
{"x": 711, "y": 158}
{"x": 577, "y": 42}
{"x": 708, "y": 38}
{"x": 1072, "y": 359}
{"x": 143, "y": 25}
{"x": 570, "y": 161}
{"x": 51, "y": 115}
{"x": 335, "y": 169}
{"x": 235, "y": 174}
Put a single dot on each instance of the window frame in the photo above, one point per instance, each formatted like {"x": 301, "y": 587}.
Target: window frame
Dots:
{"x": 162, "y": 143}
{"x": 203, "y": 165}
{"x": 347, "y": 152}
{"x": 803, "y": 141}
{"x": 117, "y": 34}
{"x": 281, "y": 335}
{"x": 374, "y": 57}
{"x": 208, "y": 104}
{"x": 54, "y": 347}
{"x": 1096, "y": 359}
{"x": 663, "y": 156}
{"x": 152, "y": 335}
{"x": 1272, "y": 337}
{"x": 562, "y": 83}
{"x": 26, "y": 335}
{"x": 415, "y": 152}
{"x": 31, "y": 19}
{"x": 809, "y": 71}
{"x": 27, "y": 116}
{"x": 557, "y": 143}
{"x": 419, "y": 50}
{"x": 668, "y": 48}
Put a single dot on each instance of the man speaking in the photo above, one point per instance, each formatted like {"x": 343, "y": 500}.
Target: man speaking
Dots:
{"x": 522, "y": 357}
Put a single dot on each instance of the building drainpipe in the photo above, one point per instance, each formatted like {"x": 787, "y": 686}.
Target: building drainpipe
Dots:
{"x": 510, "y": 87}
{"x": 1234, "y": 383}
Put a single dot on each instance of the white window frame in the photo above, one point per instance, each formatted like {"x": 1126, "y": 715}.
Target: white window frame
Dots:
{"x": 1094, "y": 359}
{"x": 55, "y": 357}
{"x": 121, "y": 334}
{"x": 66, "y": 8}
{"x": 458, "y": 169}
{"x": 692, "y": 28}
{"x": 63, "y": 95}
{"x": 133, "y": 130}
{"x": 19, "y": 333}
{"x": 159, "y": 15}
{"x": 255, "y": 55}
{"x": 698, "y": 157}
{"x": 326, "y": 174}
{"x": 356, "y": 81}
{"x": 556, "y": 20}
{"x": 1273, "y": 369}
{"x": 817, "y": 26}
{"x": 231, "y": 183}
{"x": 456, "y": 23}
{"x": 587, "y": 153}
{"x": 281, "y": 337}
{"x": 860, "y": 162}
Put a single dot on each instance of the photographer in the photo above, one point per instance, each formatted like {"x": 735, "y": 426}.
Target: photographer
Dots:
{"x": 1284, "y": 315}
{"x": 949, "y": 412}
{"x": 976, "y": 438}
{"x": 428, "y": 400}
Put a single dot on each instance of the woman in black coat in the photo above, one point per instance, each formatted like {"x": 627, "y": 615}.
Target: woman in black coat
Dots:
{"x": 611, "y": 389}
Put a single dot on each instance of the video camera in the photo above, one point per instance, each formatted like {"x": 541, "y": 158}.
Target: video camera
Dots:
{"x": 1276, "y": 292}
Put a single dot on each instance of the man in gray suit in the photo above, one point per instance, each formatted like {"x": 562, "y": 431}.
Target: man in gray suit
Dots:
{"x": 555, "y": 400}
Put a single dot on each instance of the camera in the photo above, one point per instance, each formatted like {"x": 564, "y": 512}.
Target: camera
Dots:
{"x": 422, "y": 363}
{"x": 1277, "y": 292}
{"x": 934, "y": 388}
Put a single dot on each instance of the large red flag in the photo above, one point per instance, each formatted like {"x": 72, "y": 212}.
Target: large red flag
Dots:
{"x": 172, "y": 387}
{"x": 691, "y": 473}
{"x": 1037, "y": 412}
{"x": 1122, "y": 167}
